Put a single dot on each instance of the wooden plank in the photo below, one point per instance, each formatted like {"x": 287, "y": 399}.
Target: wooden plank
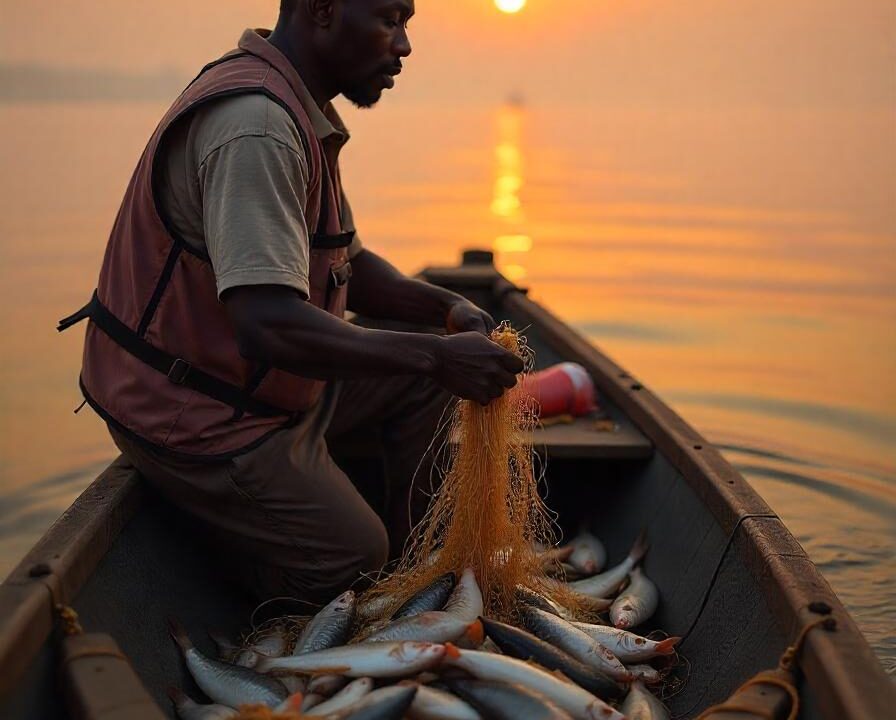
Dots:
{"x": 58, "y": 566}
{"x": 581, "y": 439}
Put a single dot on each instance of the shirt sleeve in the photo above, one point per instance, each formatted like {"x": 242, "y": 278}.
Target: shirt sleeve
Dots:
{"x": 254, "y": 197}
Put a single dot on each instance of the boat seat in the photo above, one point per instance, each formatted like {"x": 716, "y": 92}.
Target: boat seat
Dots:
{"x": 593, "y": 438}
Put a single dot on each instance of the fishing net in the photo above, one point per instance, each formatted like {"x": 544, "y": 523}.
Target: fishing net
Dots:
{"x": 487, "y": 515}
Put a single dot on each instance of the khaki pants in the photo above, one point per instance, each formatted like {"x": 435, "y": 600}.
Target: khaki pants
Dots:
{"x": 283, "y": 516}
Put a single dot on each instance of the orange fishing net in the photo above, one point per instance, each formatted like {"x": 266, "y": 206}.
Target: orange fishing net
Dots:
{"x": 488, "y": 514}
{"x": 262, "y": 712}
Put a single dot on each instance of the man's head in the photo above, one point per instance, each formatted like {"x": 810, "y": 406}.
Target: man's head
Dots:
{"x": 357, "y": 44}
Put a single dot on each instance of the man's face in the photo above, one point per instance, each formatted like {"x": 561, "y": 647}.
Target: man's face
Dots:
{"x": 369, "y": 40}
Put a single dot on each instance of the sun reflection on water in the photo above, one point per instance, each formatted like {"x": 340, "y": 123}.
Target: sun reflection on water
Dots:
{"x": 507, "y": 206}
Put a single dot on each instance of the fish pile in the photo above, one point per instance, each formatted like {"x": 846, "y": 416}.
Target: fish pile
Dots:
{"x": 438, "y": 658}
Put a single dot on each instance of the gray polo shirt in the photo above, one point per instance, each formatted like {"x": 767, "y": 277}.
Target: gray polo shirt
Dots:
{"x": 233, "y": 180}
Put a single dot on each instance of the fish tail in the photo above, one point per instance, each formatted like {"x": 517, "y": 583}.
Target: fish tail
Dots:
{"x": 179, "y": 634}
{"x": 451, "y": 651}
{"x": 639, "y": 549}
{"x": 667, "y": 646}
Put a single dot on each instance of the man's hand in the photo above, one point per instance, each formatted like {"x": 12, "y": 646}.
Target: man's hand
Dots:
{"x": 464, "y": 316}
{"x": 475, "y": 368}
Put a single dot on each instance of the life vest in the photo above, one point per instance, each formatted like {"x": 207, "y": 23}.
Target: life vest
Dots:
{"x": 161, "y": 361}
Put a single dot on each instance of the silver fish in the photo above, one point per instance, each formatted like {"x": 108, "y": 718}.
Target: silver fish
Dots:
{"x": 187, "y": 709}
{"x": 326, "y": 685}
{"x": 589, "y": 554}
{"x": 641, "y": 704}
{"x": 504, "y": 701}
{"x": 579, "y": 703}
{"x": 637, "y": 603}
{"x": 272, "y": 644}
{"x": 229, "y": 685}
{"x": 376, "y": 660}
{"x": 627, "y": 646}
{"x": 345, "y": 698}
{"x": 607, "y": 583}
{"x": 574, "y": 641}
{"x": 330, "y": 627}
{"x": 433, "y": 704}
{"x": 466, "y": 600}
{"x": 646, "y": 674}
{"x": 374, "y": 607}
{"x": 292, "y": 704}
{"x": 437, "y": 626}
{"x": 388, "y": 703}
{"x": 432, "y": 597}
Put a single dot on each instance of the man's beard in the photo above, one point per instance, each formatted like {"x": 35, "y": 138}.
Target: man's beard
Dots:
{"x": 363, "y": 96}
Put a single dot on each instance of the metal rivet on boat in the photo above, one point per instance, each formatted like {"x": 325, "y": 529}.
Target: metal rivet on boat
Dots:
{"x": 698, "y": 447}
{"x": 40, "y": 570}
{"x": 820, "y": 607}
{"x": 637, "y": 386}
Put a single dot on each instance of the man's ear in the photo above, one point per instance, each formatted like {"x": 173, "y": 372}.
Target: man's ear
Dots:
{"x": 321, "y": 11}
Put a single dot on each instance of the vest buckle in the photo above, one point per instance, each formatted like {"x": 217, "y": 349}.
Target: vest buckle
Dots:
{"x": 178, "y": 371}
{"x": 341, "y": 275}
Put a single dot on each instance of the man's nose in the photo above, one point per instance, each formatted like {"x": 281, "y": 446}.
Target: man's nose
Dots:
{"x": 402, "y": 46}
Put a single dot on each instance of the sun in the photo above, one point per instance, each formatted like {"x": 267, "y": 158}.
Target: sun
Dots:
{"x": 510, "y": 6}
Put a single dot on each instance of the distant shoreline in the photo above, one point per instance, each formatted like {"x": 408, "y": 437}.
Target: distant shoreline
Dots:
{"x": 30, "y": 83}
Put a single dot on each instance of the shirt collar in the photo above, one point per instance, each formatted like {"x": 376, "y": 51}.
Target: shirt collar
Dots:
{"x": 326, "y": 123}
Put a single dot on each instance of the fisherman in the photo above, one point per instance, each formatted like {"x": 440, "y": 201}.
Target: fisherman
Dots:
{"x": 217, "y": 351}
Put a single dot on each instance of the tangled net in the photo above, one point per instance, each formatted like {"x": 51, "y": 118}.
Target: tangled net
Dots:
{"x": 488, "y": 514}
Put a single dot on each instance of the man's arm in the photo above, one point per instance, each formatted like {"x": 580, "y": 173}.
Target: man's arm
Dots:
{"x": 274, "y": 325}
{"x": 378, "y": 290}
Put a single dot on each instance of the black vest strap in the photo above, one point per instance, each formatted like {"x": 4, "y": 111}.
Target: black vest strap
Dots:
{"x": 178, "y": 370}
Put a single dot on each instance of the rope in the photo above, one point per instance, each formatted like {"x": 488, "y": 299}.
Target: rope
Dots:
{"x": 768, "y": 677}
{"x": 69, "y": 618}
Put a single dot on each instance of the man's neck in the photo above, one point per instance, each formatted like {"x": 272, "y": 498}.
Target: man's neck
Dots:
{"x": 304, "y": 62}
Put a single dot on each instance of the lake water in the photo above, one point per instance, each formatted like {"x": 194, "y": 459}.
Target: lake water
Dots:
{"x": 741, "y": 263}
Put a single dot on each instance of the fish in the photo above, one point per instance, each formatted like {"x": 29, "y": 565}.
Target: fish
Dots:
{"x": 326, "y": 685}
{"x": 376, "y": 660}
{"x": 434, "y": 704}
{"x": 227, "y": 684}
{"x": 432, "y": 597}
{"x": 527, "y": 596}
{"x": 345, "y": 698}
{"x": 273, "y": 645}
{"x": 627, "y": 646}
{"x": 504, "y": 701}
{"x": 525, "y": 646}
{"x": 330, "y": 627}
{"x": 646, "y": 674}
{"x": 579, "y": 703}
{"x": 607, "y": 583}
{"x": 588, "y": 553}
{"x": 310, "y": 701}
{"x": 387, "y": 703}
{"x": 292, "y": 704}
{"x": 641, "y": 704}
{"x": 466, "y": 600}
{"x": 371, "y": 608}
{"x": 188, "y": 709}
{"x": 574, "y": 642}
{"x": 551, "y": 557}
{"x": 637, "y": 603}
{"x": 436, "y": 626}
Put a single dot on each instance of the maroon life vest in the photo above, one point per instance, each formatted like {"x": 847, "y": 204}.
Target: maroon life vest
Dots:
{"x": 161, "y": 361}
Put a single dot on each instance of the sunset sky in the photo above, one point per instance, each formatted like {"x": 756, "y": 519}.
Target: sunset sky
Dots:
{"x": 798, "y": 53}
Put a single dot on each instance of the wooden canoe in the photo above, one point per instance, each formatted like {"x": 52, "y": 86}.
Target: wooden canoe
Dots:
{"x": 731, "y": 575}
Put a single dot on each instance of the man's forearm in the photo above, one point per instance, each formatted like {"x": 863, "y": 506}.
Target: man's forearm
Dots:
{"x": 378, "y": 290}
{"x": 282, "y": 330}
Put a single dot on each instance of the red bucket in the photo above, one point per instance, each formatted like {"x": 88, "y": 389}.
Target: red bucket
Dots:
{"x": 564, "y": 389}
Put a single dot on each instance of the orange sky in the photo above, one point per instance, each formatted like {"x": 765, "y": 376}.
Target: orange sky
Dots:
{"x": 813, "y": 53}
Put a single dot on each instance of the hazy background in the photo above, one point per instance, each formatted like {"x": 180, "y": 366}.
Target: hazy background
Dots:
{"x": 706, "y": 189}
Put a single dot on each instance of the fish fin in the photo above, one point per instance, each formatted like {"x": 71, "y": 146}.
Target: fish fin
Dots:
{"x": 475, "y": 633}
{"x": 451, "y": 651}
{"x": 179, "y": 634}
{"x": 667, "y": 646}
{"x": 639, "y": 549}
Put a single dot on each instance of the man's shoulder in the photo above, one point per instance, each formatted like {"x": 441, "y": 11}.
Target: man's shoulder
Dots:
{"x": 252, "y": 114}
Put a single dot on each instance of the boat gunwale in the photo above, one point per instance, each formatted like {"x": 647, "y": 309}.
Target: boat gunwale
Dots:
{"x": 845, "y": 675}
